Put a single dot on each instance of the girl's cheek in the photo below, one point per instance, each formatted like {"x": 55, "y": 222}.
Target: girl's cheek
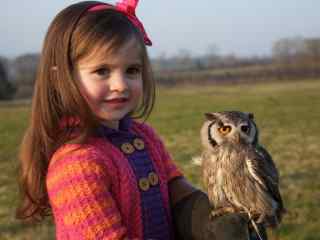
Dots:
{"x": 100, "y": 90}
{"x": 138, "y": 83}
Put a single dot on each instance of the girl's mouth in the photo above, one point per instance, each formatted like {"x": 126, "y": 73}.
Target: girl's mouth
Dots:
{"x": 117, "y": 102}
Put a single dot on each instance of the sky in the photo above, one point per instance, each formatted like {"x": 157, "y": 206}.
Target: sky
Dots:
{"x": 240, "y": 27}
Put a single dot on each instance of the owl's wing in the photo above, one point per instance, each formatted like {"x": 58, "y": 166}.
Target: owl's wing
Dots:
{"x": 262, "y": 168}
{"x": 272, "y": 170}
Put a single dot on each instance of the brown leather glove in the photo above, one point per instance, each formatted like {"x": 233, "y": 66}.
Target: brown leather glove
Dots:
{"x": 192, "y": 222}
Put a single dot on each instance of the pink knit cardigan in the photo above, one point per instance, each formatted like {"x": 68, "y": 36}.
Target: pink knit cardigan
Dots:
{"x": 94, "y": 193}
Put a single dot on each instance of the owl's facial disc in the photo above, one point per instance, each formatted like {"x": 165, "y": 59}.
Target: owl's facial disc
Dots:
{"x": 230, "y": 132}
{"x": 253, "y": 133}
{"x": 225, "y": 129}
{"x": 228, "y": 127}
{"x": 246, "y": 132}
{"x": 219, "y": 132}
{"x": 211, "y": 140}
{"x": 245, "y": 128}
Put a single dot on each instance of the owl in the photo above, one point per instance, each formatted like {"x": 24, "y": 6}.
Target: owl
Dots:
{"x": 239, "y": 175}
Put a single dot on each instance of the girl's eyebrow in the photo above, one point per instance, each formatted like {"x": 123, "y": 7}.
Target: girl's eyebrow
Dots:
{"x": 136, "y": 64}
{"x": 110, "y": 65}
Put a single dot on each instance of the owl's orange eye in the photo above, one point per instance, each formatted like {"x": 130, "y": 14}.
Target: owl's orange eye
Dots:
{"x": 224, "y": 130}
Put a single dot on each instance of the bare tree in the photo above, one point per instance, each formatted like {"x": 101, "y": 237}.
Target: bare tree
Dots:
{"x": 288, "y": 50}
{"x": 312, "y": 49}
{"x": 25, "y": 68}
{"x": 211, "y": 56}
{"x": 6, "y": 88}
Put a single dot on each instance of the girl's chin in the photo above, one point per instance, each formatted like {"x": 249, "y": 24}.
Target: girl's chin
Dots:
{"x": 113, "y": 119}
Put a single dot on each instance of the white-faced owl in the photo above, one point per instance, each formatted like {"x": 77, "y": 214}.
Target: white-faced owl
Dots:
{"x": 239, "y": 175}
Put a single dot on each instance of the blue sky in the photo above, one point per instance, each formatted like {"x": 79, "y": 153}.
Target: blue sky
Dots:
{"x": 242, "y": 27}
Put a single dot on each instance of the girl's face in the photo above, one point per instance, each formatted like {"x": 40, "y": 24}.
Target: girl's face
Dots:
{"x": 112, "y": 84}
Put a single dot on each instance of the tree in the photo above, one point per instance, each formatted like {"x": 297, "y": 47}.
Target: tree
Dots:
{"x": 312, "y": 49}
{"x": 302, "y": 50}
{"x": 25, "y": 68}
{"x": 212, "y": 58}
{"x": 288, "y": 50}
{"x": 6, "y": 88}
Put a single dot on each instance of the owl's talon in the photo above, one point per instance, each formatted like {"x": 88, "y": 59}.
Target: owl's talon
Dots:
{"x": 214, "y": 214}
{"x": 221, "y": 211}
{"x": 260, "y": 219}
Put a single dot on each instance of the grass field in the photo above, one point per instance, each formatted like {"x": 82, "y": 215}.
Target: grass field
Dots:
{"x": 287, "y": 114}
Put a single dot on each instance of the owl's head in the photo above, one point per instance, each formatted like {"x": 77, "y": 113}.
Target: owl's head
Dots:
{"x": 228, "y": 127}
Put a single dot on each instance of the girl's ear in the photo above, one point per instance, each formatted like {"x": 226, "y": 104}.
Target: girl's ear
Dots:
{"x": 210, "y": 116}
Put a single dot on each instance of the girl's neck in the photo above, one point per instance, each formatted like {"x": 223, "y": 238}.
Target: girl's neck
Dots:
{"x": 111, "y": 124}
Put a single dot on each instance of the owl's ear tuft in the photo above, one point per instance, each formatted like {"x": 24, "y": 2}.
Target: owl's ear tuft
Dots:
{"x": 250, "y": 116}
{"x": 210, "y": 116}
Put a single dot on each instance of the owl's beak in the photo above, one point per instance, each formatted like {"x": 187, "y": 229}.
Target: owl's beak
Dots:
{"x": 237, "y": 138}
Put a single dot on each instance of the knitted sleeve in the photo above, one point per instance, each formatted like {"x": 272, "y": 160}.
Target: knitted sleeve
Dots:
{"x": 78, "y": 187}
{"x": 171, "y": 168}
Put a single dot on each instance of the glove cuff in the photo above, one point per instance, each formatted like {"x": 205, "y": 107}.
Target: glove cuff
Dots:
{"x": 186, "y": 220}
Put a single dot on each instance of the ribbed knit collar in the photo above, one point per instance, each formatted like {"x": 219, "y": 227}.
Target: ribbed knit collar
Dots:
{"x": 124, "y": 126}
{"x": 102, "y": 130}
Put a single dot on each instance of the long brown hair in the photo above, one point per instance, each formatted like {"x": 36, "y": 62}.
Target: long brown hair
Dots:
{"x": 72, "y": 35}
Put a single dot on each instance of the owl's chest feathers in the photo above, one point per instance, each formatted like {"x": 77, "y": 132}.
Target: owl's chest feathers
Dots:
{"x": 226, "y": 166}
{"x": 228, "y": 161}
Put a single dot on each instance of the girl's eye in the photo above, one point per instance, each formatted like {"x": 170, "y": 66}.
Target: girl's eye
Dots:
{"x": 134, "y": 70}
{"x": 224, "y": 130}
{"x": 102, "y": 71}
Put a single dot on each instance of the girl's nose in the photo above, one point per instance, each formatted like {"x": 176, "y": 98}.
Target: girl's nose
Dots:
{"x": 118, "y": 82}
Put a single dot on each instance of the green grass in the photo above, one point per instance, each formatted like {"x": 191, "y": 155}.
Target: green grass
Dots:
{"x": 288, "y": 117}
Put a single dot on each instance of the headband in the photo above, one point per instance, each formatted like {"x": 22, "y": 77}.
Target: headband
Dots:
{"x": 127, "y": 7}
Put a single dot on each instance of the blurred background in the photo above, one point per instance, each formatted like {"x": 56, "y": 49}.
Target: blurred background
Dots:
{"x": 256, "y": 56}
{"x": 199, "y": 41}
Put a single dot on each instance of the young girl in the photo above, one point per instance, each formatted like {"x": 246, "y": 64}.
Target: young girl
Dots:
{"x": 84, "y": 159}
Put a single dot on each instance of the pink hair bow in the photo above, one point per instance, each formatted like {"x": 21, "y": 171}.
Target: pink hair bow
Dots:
{"x": 128, "y": 7}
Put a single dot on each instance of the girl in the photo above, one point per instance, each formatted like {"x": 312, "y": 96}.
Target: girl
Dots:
{"x": 102, "y": 174}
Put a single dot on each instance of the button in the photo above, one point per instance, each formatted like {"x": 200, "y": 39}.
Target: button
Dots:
{"x": 138, "y": 144}
{"x": 153, "y": 178}
{"x": 127, "y": 148}
{"x": 144, "y": 184}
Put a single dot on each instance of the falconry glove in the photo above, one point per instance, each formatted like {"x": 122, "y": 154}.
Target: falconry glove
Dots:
{"x": 192, "y": 221}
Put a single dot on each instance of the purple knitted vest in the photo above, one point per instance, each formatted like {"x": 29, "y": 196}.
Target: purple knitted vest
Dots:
{"x": 155, "y": 222}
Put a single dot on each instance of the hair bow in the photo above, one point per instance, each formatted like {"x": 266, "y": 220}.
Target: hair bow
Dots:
{"x": 127, "y": 7}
